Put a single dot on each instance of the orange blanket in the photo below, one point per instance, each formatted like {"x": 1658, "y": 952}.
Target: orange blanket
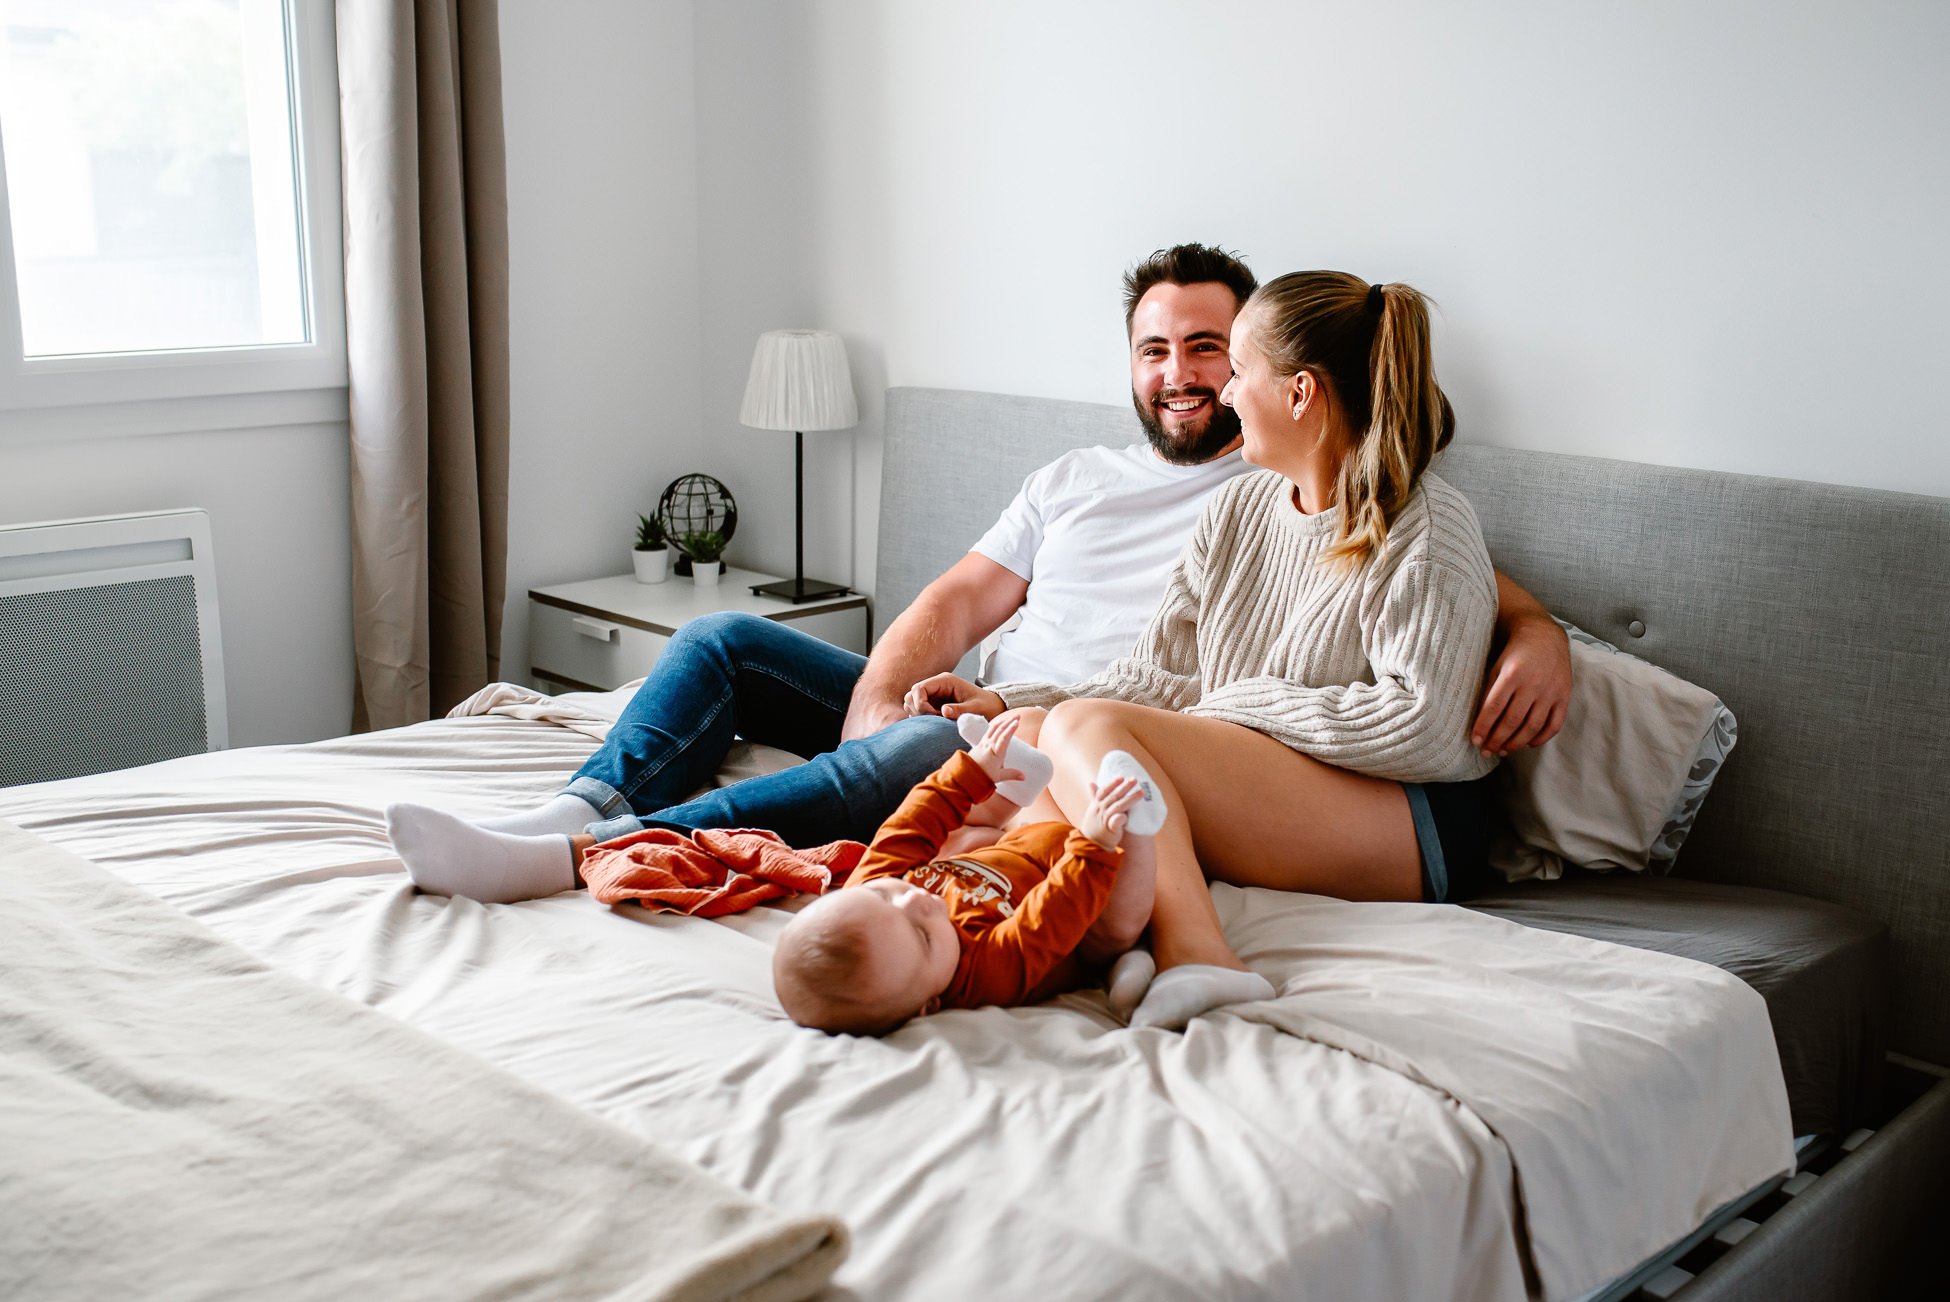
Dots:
{"x": 711, "y": 872}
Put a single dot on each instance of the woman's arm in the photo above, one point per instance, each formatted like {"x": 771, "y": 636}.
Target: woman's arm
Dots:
{"x": 1426, "y": 646}
{"x": 1529, "y": 686}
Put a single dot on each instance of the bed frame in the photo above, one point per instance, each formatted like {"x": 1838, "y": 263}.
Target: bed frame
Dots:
{"x": 1819, "y": 614}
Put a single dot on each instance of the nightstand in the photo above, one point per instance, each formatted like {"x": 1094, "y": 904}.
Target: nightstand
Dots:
{"x": 601, "y": 633}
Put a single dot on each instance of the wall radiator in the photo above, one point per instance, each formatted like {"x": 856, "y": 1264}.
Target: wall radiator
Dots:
{"x": 109, "y": 652}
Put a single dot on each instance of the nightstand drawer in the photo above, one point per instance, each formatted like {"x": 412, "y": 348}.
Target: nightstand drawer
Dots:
{"x": 586, "y": 651}
{"x": 601, "y": 633}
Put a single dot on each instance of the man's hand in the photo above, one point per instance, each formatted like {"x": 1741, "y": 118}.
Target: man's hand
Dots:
{"x": 993, "y": 749}
{"x": 1109, "y": 809}
{"x": 951, "y": 697}
{"x": 944, "y": 623}
{"x": 1529, "y": 688}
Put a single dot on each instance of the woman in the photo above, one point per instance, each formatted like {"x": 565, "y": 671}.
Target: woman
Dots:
{"x": 1304, "y": 694}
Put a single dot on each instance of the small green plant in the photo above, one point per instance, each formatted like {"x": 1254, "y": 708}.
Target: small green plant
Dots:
{"x": 649, "y": 534}
{"x": 703, "y": 544}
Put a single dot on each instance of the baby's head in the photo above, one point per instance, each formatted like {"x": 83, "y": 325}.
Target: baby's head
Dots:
{"x": 865, "y": 959}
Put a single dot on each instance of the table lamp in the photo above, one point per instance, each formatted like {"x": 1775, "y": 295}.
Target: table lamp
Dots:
{"x": 800, "y": 382}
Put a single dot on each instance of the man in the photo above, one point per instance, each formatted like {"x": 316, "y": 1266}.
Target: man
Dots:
{"x": 1082, "y": 554}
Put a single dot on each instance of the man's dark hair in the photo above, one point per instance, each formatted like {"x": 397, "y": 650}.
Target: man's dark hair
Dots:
{"x": 1186, "y": 264}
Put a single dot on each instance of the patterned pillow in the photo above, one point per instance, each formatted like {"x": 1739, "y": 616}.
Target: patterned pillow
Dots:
{"x": 1620, "y": 785}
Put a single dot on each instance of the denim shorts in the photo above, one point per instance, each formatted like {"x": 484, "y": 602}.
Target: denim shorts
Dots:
{"x": 1453, "y": 821}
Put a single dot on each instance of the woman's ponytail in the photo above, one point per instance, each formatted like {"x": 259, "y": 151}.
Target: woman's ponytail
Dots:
{"x": 1371, "y": 345}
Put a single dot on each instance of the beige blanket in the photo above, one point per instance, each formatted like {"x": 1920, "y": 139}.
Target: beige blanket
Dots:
{"x": 181, "y": 1121}
{"x": 1434, "y": 1096}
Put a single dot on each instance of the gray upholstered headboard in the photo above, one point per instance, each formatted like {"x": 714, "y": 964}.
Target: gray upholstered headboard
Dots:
{"x": 1820, "y": 615}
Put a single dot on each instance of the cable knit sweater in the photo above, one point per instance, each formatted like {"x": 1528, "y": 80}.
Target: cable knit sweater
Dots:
{"x": 1377, "y": 671}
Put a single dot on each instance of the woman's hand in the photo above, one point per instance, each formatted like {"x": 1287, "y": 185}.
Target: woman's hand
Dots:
{"x": 1529, "y": 689}
{"x": 951, "y": 697}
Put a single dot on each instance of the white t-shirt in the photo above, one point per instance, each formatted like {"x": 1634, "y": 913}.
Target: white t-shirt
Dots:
{"x": 1095, "y": 532}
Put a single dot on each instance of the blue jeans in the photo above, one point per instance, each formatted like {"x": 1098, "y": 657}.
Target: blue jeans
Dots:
{"x": 732, "y": 675}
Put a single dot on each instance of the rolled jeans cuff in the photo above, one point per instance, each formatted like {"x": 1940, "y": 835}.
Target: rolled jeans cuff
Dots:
{"x": 617, "y": 818}
{"x": 611, "y": 828}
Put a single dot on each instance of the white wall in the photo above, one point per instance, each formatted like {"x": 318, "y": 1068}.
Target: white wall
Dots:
{"x": 1697, "y": 235}
{"x": 281, "y": 527}
{"x": 756, "y": 251}
{"x": 598, "y": 99}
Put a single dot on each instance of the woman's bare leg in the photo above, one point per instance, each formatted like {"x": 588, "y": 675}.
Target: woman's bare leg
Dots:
{"x": 1243, "y": 809}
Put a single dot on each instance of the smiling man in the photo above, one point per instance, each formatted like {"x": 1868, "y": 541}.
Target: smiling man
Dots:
{"x": 1082, "y": 552}
{"x": 1081, "y": 555}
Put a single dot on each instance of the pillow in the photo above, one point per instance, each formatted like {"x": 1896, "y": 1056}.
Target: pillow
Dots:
{"x": 1620, "y": 785}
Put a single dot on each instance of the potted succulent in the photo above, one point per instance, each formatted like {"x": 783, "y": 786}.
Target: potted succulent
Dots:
{"x": 704, "y": 547}
{"x": 651, "y": 556}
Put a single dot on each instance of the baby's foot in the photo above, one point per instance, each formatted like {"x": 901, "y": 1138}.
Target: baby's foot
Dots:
{"x": 449, "y": 856}
{"x": 1130, "y": 977}
{"x": 1178, "y": 994}
{"x": 1148, "y": 814}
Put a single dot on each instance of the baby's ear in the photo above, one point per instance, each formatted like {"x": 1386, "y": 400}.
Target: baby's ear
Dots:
{"x": 931, "y": 1006}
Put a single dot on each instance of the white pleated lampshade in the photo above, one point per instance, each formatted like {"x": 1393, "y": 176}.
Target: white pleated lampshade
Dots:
{"x": 799, "y": 381}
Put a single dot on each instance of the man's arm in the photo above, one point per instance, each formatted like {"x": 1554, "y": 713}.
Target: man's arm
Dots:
{"x": 1530, "y": 683}
{"x": 952, "y": 615}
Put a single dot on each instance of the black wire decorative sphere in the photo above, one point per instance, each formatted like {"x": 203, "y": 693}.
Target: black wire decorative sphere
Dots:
{"x": 694, "y": 505}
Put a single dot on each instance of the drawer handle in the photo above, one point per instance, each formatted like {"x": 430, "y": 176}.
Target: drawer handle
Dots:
{"x": 596, "y": 628}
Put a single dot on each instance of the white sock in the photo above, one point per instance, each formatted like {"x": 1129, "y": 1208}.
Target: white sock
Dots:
{"x": 566, "y": 815}
{"x": 1178, "y": 994}
{"x": 1148, "y": 814}
{"x": 449, "y": 856}
{"x": 1130, "y": 977}
{"x": 1036, "y": 767}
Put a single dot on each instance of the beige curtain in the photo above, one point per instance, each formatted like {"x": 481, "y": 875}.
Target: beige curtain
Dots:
{"x": 426, "y": 307}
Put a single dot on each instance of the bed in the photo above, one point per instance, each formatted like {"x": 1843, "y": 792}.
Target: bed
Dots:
{"x": 1444, "y": 1102}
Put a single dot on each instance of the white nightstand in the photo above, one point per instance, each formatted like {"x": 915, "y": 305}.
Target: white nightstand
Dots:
{"x": 602, "y": 633}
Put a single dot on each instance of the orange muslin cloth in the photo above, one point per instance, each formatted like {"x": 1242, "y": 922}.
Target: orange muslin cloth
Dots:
{"x": 711, "y": 872}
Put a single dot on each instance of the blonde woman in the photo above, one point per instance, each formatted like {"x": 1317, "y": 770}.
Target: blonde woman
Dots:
{"x": 1305, "y": 691}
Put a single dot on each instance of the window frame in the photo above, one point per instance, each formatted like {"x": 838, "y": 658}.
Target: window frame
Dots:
{"x": 208, "y": 388}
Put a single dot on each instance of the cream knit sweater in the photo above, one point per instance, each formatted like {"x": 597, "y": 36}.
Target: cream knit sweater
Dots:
{"x": 1378, "y": 671}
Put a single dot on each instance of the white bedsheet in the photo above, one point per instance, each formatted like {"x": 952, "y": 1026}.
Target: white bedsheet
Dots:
{"x": 182, "y": 1122}
{"x": 1353, "y": 1138}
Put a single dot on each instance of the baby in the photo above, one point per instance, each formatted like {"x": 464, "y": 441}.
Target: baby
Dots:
{"x": 1015, "y": 921}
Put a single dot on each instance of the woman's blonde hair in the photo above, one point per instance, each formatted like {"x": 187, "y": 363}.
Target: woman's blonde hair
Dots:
{"x": 1368, "y": 347}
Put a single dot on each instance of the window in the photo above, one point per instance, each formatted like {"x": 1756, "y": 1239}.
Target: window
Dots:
{"x": 171, "y": 206}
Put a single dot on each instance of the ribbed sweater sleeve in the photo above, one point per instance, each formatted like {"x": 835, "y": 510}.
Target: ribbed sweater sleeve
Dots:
{"x": 1412, "y": 722}
{"x": 1376, "y": 671}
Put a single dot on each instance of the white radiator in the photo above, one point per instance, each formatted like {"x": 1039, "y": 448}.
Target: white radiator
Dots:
{"x": 109, "y": 653}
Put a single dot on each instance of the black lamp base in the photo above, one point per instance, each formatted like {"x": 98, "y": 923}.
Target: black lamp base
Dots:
{"x": 800, "y": 590}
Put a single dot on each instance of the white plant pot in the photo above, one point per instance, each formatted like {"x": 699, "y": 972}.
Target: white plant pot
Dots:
{"x": 705, "y": 574}
{"x": 651, "y": 566}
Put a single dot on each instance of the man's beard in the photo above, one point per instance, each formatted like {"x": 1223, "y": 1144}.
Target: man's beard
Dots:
{"x": 1187, "y": 449}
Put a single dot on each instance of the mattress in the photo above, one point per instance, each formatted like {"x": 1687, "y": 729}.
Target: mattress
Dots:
{"x": 1440, "y": 1103}
{"x": 1821, "y": 968}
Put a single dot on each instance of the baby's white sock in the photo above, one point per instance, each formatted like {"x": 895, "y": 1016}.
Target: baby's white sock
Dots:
{"x": 1130, "y": 976}
{"x": 449, "y": 856}
{"x": 1148, "y": 814}
{"x": 1036, "y": 767}
{"x": 1178, "y": 994}
{"x": 566, "y": 814}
